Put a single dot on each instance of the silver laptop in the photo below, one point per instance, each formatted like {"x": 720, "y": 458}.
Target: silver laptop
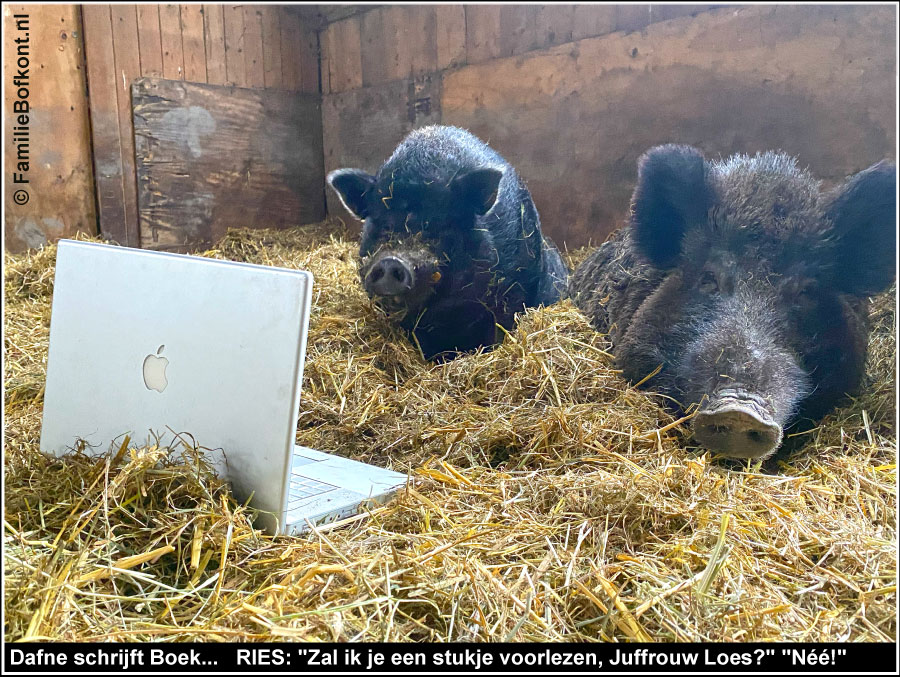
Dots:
{"x": 171, "y": 348}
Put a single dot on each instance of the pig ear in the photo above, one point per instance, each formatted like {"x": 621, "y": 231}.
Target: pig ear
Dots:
{"x": 351, "y": 186}
{"x": 863, "y": 213}
{"x": 671, "y": 196}
{"x": 478, "y": 188}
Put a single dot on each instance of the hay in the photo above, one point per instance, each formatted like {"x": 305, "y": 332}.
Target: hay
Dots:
{"x": 552, "y": 501}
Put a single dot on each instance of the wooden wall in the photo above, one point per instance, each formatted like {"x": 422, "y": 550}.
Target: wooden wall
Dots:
{"x": 396, "y": 42}
{"x": 572, "y": 95}
{"x": 383, "y": 69}
{"x": 57, "y": 151}
{"x": 252, "y": 46}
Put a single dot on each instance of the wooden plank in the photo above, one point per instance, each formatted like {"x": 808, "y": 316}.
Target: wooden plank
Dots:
{"x": 400, "y": 52}
{"x": 57, "y": 172}
{"x": 397, "y": 42}
{"x": 149, "y": 41}
{"x": 128, "y": 67}
{"x": 354, "y": 137}
{"x": 172, "y": 49}
{"x": 421, "y": 23}
{"x": 214, "y": 39}
{"x": 518, "y": 29}
{"x": 450, "y": 35}
{"x": 573, "y": 119}
{"x": 345, "y": 60}
{"x": 192, "y": 41}
{"x": 214, "y": 157}
{"x": 291, "y": 73}
{"x": 253, "y": 47}
{"x": 271, "y": 40}
{"x": 324, "y": 59}
{"x": 555, "y": 24}
{"x": 309, "y": 61}
{"x": 482, "y": 32}
{"x": 374, "y": 48}
{"x": 632, "y": 17}
{"x": 235, "y": 68}
{"x": 591, "y": 20}
{"x": 102, "y": 78}
{"x": 665, "y": 12}
{"x": 317, "y": 17}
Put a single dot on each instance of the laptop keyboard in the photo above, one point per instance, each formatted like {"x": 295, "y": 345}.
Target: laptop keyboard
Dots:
{"x": 304, "y": 487}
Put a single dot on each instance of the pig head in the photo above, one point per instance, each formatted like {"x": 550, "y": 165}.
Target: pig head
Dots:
{"x": 747, "y": 284}
{"x": 451, "y": 245}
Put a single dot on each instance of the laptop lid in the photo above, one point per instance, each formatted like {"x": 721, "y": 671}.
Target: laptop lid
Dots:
{"x": 144, "y": 341}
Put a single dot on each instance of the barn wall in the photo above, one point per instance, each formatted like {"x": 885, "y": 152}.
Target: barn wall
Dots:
{"x": 56, "y": 149}
{"x": 572, "y": 95}
{"x": 252, "y": 46}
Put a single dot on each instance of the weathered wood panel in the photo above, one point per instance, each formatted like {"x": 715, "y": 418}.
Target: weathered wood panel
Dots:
{"x": 670, "y": 11}
{"x": 271, "y": 44}
{"x": 104, "y": 112}
{"x": 309, "y": 61}
{"x": 517, "y": 30}
{"x": 291, "y": 75}
{"x": 235, "y": 69}
{"x": 815, "y": 81}
{"x": 450, "y": 35}
{"x": 253, "y": 47}
{"x": 374, "y": 48}
{"x": 555, "y": 24}
{"x": 400, "y": 41}
{"x": 344, "y": 55}
{"x": 592, "y": 20}
{"x": 633, "y": 17}
{"x": 55, "y": 157}
{"x": 127, "y": 67}
{"x": 192, "y": 42}
{"x": 149, "y": 40}
{"x": 199, "y": 43}
{"x": 214, "y": 42}
{"x": 317, "y": 17}
{"x": 419, "y": 32}
{"x": 362, "y": 127}
{"x": 482, "y": 32}
{"x": 172, "y": 47}
{"x": 213, "y": 157}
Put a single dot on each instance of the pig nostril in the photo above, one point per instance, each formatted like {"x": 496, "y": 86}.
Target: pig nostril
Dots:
{"x": 376, "y": 274}
{"x": 398, "y": 274}
{"x": 756, "y": 436}
{"x": 719, "y": 429}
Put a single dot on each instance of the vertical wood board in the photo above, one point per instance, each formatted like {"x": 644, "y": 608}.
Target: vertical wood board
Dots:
{"x": 47, "y": 149}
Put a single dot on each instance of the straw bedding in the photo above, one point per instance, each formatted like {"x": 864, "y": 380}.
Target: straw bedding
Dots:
{"x": 551, "y": 500}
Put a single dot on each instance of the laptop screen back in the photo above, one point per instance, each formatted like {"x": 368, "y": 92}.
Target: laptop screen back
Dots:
{"x": 145, "y": 342}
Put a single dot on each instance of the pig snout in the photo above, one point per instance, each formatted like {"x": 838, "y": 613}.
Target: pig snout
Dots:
{"x": 737, "y": 424}
{"x": 400, "y": 279}
{"x": 744, "y": 376}
{"x": 390, "y": 276}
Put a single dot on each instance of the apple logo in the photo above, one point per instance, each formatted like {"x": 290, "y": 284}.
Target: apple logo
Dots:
{"x": 155, "y": 371}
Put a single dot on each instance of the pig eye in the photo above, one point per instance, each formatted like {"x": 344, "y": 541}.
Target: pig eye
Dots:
{"x": 708, "y": 283}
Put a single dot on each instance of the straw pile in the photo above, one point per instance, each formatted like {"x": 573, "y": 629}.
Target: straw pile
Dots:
{"x": 551, "y": 500}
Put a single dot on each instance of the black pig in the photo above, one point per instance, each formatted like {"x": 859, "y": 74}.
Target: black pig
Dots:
{"x": 452, "y": 243}
{"x": 748, "y": 285}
